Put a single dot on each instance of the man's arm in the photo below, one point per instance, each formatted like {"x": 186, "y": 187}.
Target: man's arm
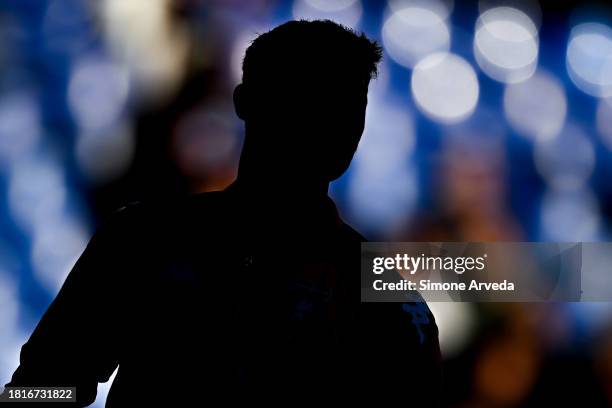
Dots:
{"x": 407, "y": 368}
{"x": 75, "y": 343}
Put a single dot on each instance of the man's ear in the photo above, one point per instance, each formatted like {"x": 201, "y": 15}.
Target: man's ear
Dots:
{"x": 240, "y": 101}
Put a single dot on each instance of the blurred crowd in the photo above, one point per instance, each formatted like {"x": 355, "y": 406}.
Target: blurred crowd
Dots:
{"x": 489, "y": 121}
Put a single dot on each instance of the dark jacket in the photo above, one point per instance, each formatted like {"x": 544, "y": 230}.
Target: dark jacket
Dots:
{"x": 218, "y": 298}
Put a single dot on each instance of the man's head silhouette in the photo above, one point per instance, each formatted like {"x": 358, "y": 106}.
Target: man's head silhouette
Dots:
{"x": 303, "y": 98}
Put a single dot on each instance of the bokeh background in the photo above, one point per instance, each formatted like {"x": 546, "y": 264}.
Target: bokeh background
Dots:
{"x": 489, "y": 121}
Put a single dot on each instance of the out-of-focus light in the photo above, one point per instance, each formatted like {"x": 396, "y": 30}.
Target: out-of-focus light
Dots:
{"x": 566, "y": 161}
{"x": 103, "y": 390}
{"x": 9, "y": 306}
{"x": 589, "y": 58}
{"x": 484, "y": 129}
{"x": 10, "y": 352}
{"x": 383, "y": 186}
{"x": 12, "y": 337}
{"x": 506, "y": 44}
{"x": 529, "y": 7}
{"x": 241, "y": 42}
{"x": 604, "y": 121}
{"x": 57, "y": 245}
{"x": 205, "y": 141}
{"x": 570, "y": 216}
{"x": 36, "y": 191}
{"x": 442, "y": 8}
{"x": 346, "y": 12}
{"x": 388, "y": 138}
{"x": 445, "y": 87}
{"x": 20, "y": 128}
{"x": 537, "y": 107}
{"x": 105, "y": 154}
{"x": 382, "y": 202}
{"x": 595, "y": 315}
{"x": 12, "y": 34}
{"x": 455, "y": 322}
{"x": 380, "y": 85}
{"x": 142, "y": 35}
{"x": 67, "y": 27}
{"x": 97, "y": 92}
{"x": 595, "y": 285}
{"x": 412, "y": 32}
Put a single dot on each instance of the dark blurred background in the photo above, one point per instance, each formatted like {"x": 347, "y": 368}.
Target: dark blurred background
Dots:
{"x": 489, "y": 121}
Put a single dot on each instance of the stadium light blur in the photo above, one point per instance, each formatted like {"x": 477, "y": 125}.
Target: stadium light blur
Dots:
{"x": 20, "y": 126}
{"x": 383, "y": 185}
{"x": 97, "y": 92}
{"x": 36, "y": 190}
{"x": 604, "y": 121}
{"x": 566, "y": 161}
{"x": 347, "y": 12}
{"x": 456, "y": 322}
{"x": 570, "y": 216}
{"x": 537, "y": 107}
{"x": 413, "y": 32}
{"x": 104, "y": 155}
{"x": 445, "y": 87}
{"x": 57, "y": 244}
{"x": 506, "y": 44}
{"x": 589, "y": 58}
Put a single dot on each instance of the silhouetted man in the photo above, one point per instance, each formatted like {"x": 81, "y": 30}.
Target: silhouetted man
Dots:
{"x": 251, "y": 294}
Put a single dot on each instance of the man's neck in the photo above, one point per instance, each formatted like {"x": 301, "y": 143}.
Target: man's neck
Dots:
{"x": 278, "y": 190}
{"x": 281, "y": 208}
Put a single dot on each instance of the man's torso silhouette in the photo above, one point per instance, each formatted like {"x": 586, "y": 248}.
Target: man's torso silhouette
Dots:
{"x": 210, "y": 298}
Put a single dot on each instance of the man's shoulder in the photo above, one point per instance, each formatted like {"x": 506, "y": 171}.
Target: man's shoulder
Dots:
{"x": 170, "y": 208}
{"x": 351, "y": 234}
{"x": 152, "y": 217}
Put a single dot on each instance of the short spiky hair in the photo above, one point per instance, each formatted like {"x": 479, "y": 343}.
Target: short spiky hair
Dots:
{"x": 308, "y": 46}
